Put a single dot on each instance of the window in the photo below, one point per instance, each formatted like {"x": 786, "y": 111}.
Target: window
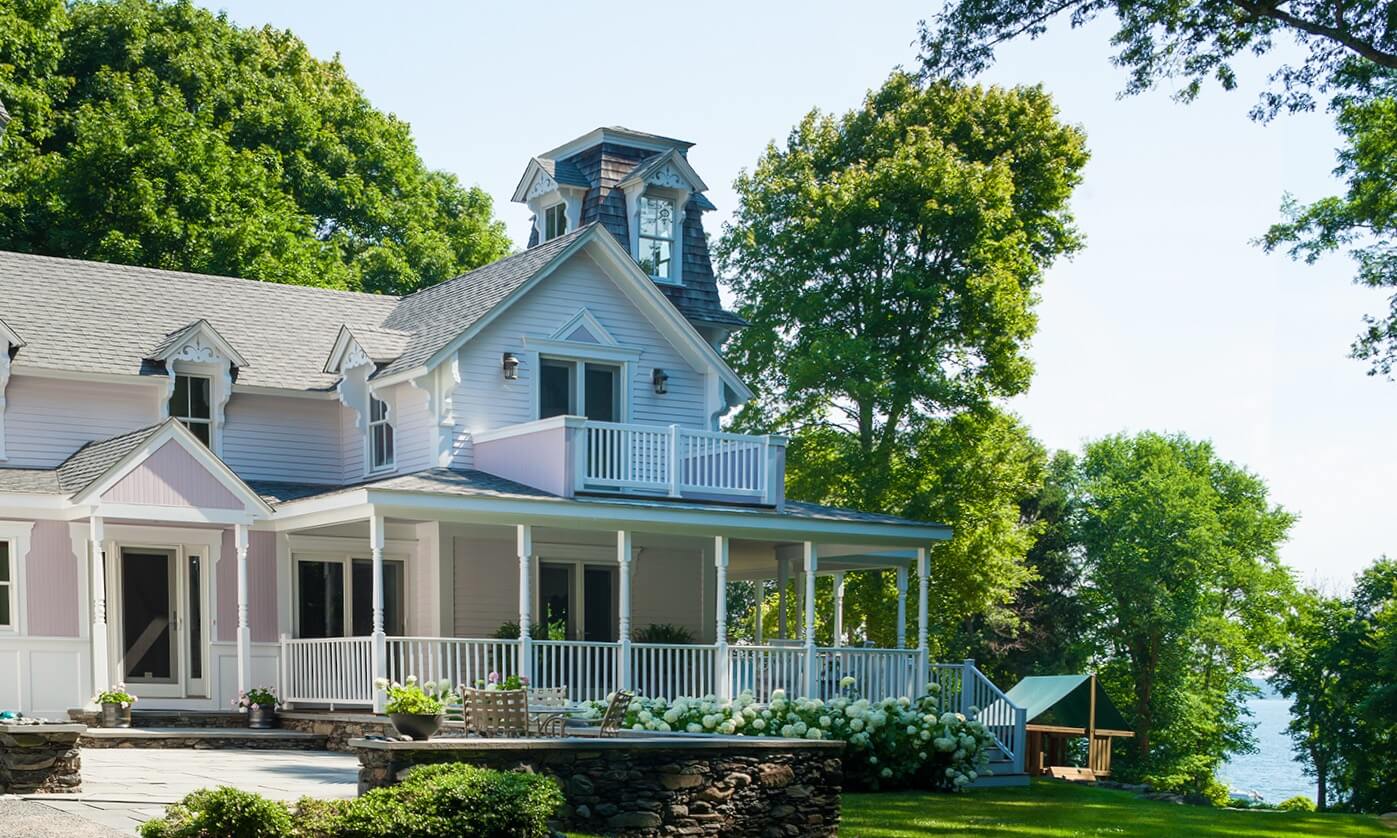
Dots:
{"x": 380, "y": 435}
{"x": 555, "y": 221}
{"x": 7, "y": 588}
{"x": 570, "y": 387}
{"x": 657, "y": 236}
{"x": 190, "y": 404}
{"x": 323, "y": 592}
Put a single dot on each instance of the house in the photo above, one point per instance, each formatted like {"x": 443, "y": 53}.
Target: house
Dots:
{"x": 208, "y": 483}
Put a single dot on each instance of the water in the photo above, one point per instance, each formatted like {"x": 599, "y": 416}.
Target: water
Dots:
{"x": 1272, "y": 770}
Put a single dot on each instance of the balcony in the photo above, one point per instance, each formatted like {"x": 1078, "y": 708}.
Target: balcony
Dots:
{"x": 571, "y": 455}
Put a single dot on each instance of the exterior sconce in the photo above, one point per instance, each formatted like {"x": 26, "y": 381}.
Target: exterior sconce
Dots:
{"x": 661, "y": 381}
{"x": 511, "y": 366}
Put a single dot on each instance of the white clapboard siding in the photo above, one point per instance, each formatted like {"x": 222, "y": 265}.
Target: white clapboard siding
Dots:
{"x": 47, "y": 419}
{"x": 413, "y": 435}
{"x": 486, "y": 586}
{"x": 485, "y": 400}
{"x": 283, "y": 438}
{"x": 351, "y": 443}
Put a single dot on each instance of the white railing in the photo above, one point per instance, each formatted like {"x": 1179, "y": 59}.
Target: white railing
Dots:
{"x": 587, "y": 669}
{"x": 673, "y": 670}
{"x": 331, "y": 670}
{"x": 459, "y": 660}
{"x": 877, "y": 673}
{"x": 674, "y": 460}
{"x": 1004, "y": 719}
{"x": 765, "y": 669}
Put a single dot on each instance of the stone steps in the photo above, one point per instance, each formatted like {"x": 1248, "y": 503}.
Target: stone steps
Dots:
{"x": 169, "y": 718}
{"x": 202, "y": 738}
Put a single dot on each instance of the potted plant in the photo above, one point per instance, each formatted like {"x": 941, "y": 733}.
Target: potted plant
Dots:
{"x": 260, "y": 704}
{"x": 416, "y": 710}
{"x": 116, "y": 706}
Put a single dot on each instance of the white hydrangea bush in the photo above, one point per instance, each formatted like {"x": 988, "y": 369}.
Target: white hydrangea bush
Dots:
{"x": 892, "y": 743}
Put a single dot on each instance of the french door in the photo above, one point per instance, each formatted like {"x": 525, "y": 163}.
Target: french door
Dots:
{"x": 161, "y": 639}
{"x": 580, "y": 598}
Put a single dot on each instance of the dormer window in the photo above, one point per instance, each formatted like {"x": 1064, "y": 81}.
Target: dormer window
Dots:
{"x": 380, "y": 435}
{"x": 192, "y": 405}
{"x": 555, "y": 221}
{"x": 656, "y": 237}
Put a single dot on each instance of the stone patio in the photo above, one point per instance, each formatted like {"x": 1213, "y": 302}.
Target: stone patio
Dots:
{"x": 123, "y": 787}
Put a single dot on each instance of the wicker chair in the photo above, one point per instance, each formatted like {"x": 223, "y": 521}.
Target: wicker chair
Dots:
{"x": 496, "y": 712}
{"x": 615, "y": 715}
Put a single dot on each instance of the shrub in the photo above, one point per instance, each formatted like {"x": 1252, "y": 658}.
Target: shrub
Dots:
{"x": 893, "y": 743}
{"x": 221, "y": 813}
{"x": 1298, "y": 803}
{"x": 664, "y": 633}
{"x": 435, "y": 800}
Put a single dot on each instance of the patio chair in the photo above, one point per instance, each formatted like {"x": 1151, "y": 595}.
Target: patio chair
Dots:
{"x": 497, "y": 712}
{"x": 615, "y": 715}
{"x": 547, "y": 724}
{"x": 548, "y": 696}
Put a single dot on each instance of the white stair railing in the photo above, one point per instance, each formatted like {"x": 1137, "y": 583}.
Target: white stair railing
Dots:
{"x": 877, "y": 673}
{"x": 1005, "y": 720}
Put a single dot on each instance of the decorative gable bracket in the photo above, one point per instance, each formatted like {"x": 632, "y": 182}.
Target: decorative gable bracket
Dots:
{"x": 199, "y": 349}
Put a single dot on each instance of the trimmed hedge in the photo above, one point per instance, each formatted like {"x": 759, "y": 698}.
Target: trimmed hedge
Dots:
{"x": 223, "y": 812}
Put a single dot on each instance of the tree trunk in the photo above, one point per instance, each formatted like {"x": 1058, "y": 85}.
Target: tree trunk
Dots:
{"x": 1321, "y": 785}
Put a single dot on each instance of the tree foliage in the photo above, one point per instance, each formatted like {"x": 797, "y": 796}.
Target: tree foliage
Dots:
{"x": 156, "y": 133}
{"x": 1180, "y": 567}
{"x": 1337, "y": 663}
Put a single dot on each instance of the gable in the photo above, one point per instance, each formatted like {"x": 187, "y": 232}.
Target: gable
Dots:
{"x": 171, "y": 476}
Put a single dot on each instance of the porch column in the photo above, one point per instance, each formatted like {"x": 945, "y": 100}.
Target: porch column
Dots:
{"x": 623, "y": 629}
{"x": 380, "y": 642}
{"x": 761, "y": 600}
{"x": 783, "y": 581}
{"x": 101, "y": 676}
{"x": 812, "y": 561}
{"x": 839, "y": 609}
{"x": 524, "y": 539}
{"x": 720, "y": 619}
{"x": 240, "y": 539}
{"x": 902, "y": 608}
{"x": 923, "y": 591}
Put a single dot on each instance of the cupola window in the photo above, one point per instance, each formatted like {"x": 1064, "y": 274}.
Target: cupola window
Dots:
{"x": 555, "y": 221}
{"x": 657, "y": 236}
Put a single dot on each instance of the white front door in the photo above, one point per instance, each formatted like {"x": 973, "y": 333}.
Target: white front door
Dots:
{"x": 161, "y": 638}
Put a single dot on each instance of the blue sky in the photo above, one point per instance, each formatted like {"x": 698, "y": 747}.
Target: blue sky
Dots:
{"x": 1170, "y": 320}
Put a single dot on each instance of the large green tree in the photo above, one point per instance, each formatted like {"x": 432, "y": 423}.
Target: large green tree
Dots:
{"x": 1180, "y": 566}
{"x": 1348, "y": 54}
{"x": 888, "y": 260}
{"x": 156, "y": 133}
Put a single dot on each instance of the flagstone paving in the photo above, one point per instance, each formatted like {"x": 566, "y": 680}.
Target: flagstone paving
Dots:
{"x": 123, "y": 787}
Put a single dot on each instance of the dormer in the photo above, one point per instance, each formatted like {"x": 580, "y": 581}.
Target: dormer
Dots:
{"x": 200, "y": 365}
{"x": 10, "y": 344}
{"x": 355, "y": 357}
{"x": 657, "y": 199}
{"x": 554, "y": 193}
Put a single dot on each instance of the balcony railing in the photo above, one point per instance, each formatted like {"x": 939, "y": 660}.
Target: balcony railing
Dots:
{"x": 571, "y": 454}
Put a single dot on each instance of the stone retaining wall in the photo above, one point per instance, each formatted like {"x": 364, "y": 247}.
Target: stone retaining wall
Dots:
{"x": 672, "y": 785}
{"x": 40, "y": 758}
{"x": 338, "y": 728}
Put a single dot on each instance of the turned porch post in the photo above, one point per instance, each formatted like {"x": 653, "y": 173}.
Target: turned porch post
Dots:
{"x": 761, "y": 600}
{"x": 101, "y": 675}
{"x": 380, "y": 643}
{"x": 524, "y": 548}
{"x": 623, "y": 630}
{"x": 240, "y": 541}
{"x": 812, "y": 561}
{"x": 923, "y": 591}
{"x": 720, "y": 620}
{"x": 783, "y": 581}
{"x": 839, "y": 609}
{"x": 902, "y": 608}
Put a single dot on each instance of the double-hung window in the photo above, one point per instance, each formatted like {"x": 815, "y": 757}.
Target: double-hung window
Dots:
{"x": 555, "y": 221}
{"x": 7, "y": 587}
{"x": 656, "y": 238}
{"x": 380, "y": 435}
{"x": 191, "y": 405}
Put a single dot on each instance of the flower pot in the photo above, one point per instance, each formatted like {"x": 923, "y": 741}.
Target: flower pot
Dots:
{"x": 261, "y": 717}
{"x": 116, "y": 715}
{"x": 418, "y": 726}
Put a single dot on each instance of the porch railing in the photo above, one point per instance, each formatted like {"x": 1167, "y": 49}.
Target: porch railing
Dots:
{"x": 340, "y": 671}
{"x": 673, "y": 460}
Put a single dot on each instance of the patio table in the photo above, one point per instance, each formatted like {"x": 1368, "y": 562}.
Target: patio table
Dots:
{"x": 546, "y": 716}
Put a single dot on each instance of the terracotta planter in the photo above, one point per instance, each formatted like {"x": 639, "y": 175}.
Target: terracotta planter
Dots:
{"x": 261, "y": 717}
{"x": 417, "y": 726}
{"x": 116, "y": 715}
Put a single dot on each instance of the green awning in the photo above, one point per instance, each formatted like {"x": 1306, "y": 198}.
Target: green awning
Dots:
{"x": 1065, "y": 701}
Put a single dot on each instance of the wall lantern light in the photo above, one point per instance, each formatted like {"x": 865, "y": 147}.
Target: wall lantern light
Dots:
{"x": 661, "y": 381}
{"x": 511, "y": 366}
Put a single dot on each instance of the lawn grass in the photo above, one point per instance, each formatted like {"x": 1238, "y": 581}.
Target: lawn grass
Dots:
{"x": 1052, "y": 808}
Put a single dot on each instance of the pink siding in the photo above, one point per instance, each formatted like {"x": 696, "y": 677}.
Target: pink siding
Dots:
{"x": 172, "y": 477}
{"x": 51, "y": 581}
{"x": 261, "y": 587}
{"x": 540, "y": 459}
